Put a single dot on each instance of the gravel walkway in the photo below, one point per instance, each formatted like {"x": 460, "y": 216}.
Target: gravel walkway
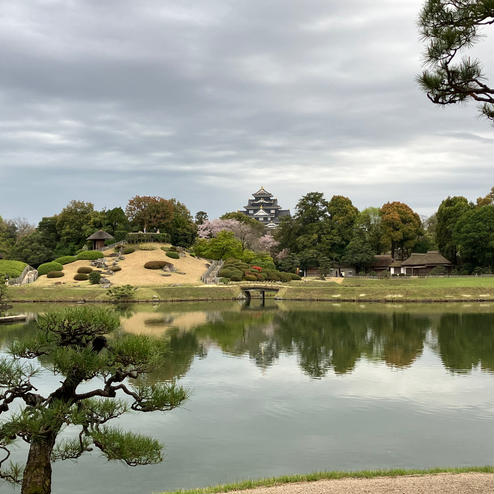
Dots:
{"x": 443, "y": 483}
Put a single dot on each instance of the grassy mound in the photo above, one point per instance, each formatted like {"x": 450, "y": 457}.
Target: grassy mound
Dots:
{"x": 12, "y": 269}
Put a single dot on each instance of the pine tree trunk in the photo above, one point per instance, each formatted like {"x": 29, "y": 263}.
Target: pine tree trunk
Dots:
{"x": 37, "y": 474}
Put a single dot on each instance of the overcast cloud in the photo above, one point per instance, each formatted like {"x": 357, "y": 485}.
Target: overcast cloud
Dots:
{"x": 206, "y": 101}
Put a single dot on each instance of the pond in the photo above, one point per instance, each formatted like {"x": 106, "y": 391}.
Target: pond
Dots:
{"x": 302, "y": 387}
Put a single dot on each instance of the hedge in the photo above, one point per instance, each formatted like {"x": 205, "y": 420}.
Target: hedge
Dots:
{"x": 147, "y": 247}
{"x": 55, "y": 274}
{"x": 155, "y": 264}
{"x": 65, "y": 259}
{"x": 12, "y": 269}
{"x": 46, "y": 267}
{"x": 84, "y": 269}
{"x": 250, "y": 277}
{"x": 172, "y": 254}
{"x": 89, "y": 255}
{"x": 137, "y": 238}
{"x": 128, "y": 250}
{"x": 81, "y": 277}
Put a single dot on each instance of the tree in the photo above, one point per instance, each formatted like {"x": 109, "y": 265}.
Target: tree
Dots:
{"x": 449, "y": 26}
{"x": 474, "y": 236}
{"x": 359, "y": 253}
{"x": 31, "y": 249}
{"x": 183, "y": 230}
{"x": 201, "y": 217}
{"x": 243, "y": 218}
{"x": 81, "y": 345}
{"x": 115, "y": 220}
{"x": 448, "y": 213}
{"x": 368, "y": 224}
{"x": 74, "y": 224}
{"x": 223, "y": 246}
{"x": 401, "y": 228}
{"x": 47, "y": 228}
{"x": 488, "y": 199}
{"x": 343, "y": 215}
{"x": 150, "y": 213}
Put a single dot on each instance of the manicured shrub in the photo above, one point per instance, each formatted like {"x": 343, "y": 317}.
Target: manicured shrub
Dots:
{"x": 66, "y": 259}
{"x": 115, "y": 268}
{"x": 85, "y": 269}
{"x": 119, "y": 293}
{"x": 294, "y": 276}
{"x": 55, "y": 274}
{"x": 229, "y": 272}
{"x": 262, "y": 276}
{"x": 11, "y": 268}
{"x": 440, "y": 270}
{"x": 285, "y": 277}
{"x": 89, "y": 255}
{"x": 191, "y": 254}
{"x": 49, "y": 266}
{"x": 225, "y": 281}
{"x": 81, "y": 277}
{"x": 173, "y": 248}
{"x": 250, "y": 277}
{"x": 128, "y": 250}
{"x": 155, "y": 264}
{"x": 172, "y": 254}
{"x": 94, "y": 277}
{"x": 147, "y": 247}
{"x": 236, "y": 277}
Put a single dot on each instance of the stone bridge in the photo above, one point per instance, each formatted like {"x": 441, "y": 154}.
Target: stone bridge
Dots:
{"x": 247, "y": 289}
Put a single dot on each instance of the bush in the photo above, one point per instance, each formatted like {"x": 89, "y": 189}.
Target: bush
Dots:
{"x": 229, "y": 272}
{"x": 438, "y": 270}
{"x": 262, "y": 276}
{"x": 285, "y": 277}
{"x": 191, "y": 254}
{"x": 146, "y": 247}
{"x": 173, "y": 248}
{"x": 273, "y": 276}
{"x": 294, "y": 276}
{"x": 55, "y": 274}
{"x": 84, "y": 269}
{"x": 172, "y": 254}
{"x": 49, "y": 266}
{"x": 118, "y": 293}
{"x": 225, "y": 281}
{"x": 138, "y": 238}
{"x": 236, "y": 277}
{"x": 81, "y": 277}
{"x": 94, "y": 277}
{"x": 89, "y": 255}
{"x": 10, "y": 268}
{"x": 155, "y": 264}
{"x": 115, "y": 268}
{"x": 65, "y": 259}
{"x": 250, "y": 277}
{"x": 128, "y": 250}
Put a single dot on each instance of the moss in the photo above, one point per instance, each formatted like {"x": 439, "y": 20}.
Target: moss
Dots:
{"x": 66, "y": 259}
{"x": 11, "y": 268}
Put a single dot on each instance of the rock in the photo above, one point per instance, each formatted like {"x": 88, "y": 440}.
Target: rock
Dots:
{"x": 180, "y": 272}
{"x": 166, "y": 274}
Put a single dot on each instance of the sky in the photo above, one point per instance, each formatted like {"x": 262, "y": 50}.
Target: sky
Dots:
{"x": 207, "y": 101}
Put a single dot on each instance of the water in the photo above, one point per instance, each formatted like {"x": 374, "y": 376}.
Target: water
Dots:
{"x": 297, "y": 388}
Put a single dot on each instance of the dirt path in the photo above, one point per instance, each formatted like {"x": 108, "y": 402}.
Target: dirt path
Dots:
{"x": 443, "y": 483}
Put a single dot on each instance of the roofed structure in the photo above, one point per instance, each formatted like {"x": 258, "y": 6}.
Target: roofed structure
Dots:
{"x": 98, "y": 238}
{"x": 421, "y": 264}
{"x": 265, "y": 208}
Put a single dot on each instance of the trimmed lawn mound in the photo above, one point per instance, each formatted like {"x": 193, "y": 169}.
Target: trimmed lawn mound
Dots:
{"x": 12, "y": 269}
{"x": 89, "y": 255}
{"x": 47, "y": 267}
{"x": 65, "y": 259}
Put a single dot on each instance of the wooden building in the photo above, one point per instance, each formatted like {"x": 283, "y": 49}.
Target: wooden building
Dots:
{"x": 381, "y": 263}
{"x": 98, "y": 239}
{"x": 265, "y": 208}
{"x": 422, "y": 264}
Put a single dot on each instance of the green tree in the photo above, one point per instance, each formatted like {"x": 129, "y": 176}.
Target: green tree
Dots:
{"x": 368, "y": 223}
{"x": 183, "y": 230}
{"x": 257, "y": 226}
{"x": 47, "y": 228}
{"x": 150, "y": 213}
{"x": 448, "y": 213}
{"x": 115, "y": 220}
{"x": 474, "y": 236}
{"x": 448, "y": 27}
{"x": 201, "y": 217}
{"x": 343, "y": 215}
{"x": 223, "y": 246}
{"x": 79, "y": 344}
{"x": 31, "y": 249}
{"x": 74, "y": 223}
{"x": 359, "y": 252}
{"x": 401, "y": 228}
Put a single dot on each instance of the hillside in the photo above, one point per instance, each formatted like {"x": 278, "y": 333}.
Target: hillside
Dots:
{"x": 188, "y": 270}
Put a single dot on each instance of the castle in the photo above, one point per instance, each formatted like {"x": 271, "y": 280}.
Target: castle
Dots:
{"x": 264, "y": 208}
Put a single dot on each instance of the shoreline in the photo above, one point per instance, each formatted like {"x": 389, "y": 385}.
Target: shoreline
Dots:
{"x": 282, "y": 483}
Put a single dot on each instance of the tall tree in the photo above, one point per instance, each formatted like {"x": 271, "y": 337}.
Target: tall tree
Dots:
{"x": 94, "y": 362}
{"x": 448, "y": 27}
{"x": 448, "y": 213}
{"x": 343, "y": 215}
{"x": 150, "y": 213}
{"x": 116, "y": 220}
{"x": 401, "y": 227}
{"x": 368, "y": 224}
{"x": 200, "y": 217}
{"x": 74, "y": 223}
{"x": 31, "y": 249}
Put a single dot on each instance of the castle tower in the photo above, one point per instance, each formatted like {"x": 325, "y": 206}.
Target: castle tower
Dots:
{"x": 265, "y": 209}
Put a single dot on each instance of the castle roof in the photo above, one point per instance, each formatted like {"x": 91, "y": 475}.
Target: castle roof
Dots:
{"x": 261, "y": 212}
{"x": 262, "y": 193}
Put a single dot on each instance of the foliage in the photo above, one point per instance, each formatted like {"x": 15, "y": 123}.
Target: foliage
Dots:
{"x": 11, "y": 268}
{"x": 183, "y": 230}
{"x": 172, "y": 254}
{"x": 81, "y": 346}
{"x": 128, "y": 250}
{"x": 223, "y": 246}
{"x": 150, "y": 213}
{"x": 66, "y": 259}
{"x": 450, "y": 210}
{"x": 89, "y": 255}
{"x": 49, "y": 266}
{"x": 85, "y": 269}
{"x": 448, "y": 27}
{"x": 138, "y": 238}
{"x": 75, "y": 223}
{"x": 401, "y": 228}
{"x": 267, "y": 243}
{"x": 359, "y": 253}
{"x": 81, "y": 277}
{"x": 3, "y": 291}
{"x": 147, "y": 247}
{"x": 55, "y": 274}
{"x": 31, "y": 249}
{"x": 156, "y": 264}
{"x": 200, "y": 217}
{"x": 94, "y": 277}
{"x": 120, "y": 293}
{"x": 116, "y": 223}
{"x": 438, "y": 270}
{"x": 474, "y": 235}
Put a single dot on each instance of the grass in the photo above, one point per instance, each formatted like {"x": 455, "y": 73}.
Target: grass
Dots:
{"x": 10, "y": 268}
{"x": 311, "y": 477}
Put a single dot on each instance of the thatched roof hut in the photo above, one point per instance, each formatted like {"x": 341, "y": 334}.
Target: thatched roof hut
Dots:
{"x": 98, "y": 238}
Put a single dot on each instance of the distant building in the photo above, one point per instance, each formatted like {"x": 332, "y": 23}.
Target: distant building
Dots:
{"x": 264, "y": 208}
{"x": 98, "y": 239}
{"x": 423, "y": 264}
